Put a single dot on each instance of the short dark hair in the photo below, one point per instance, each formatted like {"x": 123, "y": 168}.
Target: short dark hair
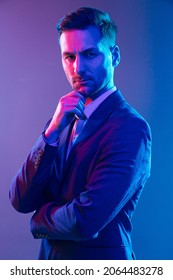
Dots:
{"x": 85, "y": 17}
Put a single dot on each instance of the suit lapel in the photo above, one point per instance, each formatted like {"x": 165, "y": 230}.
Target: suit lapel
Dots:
{"x": 96, "y": 120}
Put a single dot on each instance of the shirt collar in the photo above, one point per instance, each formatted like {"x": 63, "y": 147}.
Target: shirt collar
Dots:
{"x": 91, "y": 107}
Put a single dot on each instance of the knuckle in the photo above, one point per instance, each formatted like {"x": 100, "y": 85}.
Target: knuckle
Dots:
{"x": 61, "y": 99}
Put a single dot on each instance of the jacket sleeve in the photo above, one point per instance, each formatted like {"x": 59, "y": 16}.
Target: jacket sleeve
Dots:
{"x": 122, "y": 168}
{"x": 28, "y": 188}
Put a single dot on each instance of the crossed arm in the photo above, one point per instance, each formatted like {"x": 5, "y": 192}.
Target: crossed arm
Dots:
{"x": 123, "y": 166}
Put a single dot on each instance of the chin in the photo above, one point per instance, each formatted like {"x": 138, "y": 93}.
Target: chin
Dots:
{"x": 85, "y": 91}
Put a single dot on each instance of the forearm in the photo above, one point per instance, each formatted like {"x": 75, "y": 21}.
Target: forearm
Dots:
{"x": 27, "y": 191}
{"x": 120, "y": 173}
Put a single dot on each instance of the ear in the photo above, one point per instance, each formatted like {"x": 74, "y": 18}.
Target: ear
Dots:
{"x": 115, "y": 55}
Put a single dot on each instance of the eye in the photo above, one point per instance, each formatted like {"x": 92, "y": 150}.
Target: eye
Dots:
{"x": 90, "y": 54}
{"x": 70, "y": 57}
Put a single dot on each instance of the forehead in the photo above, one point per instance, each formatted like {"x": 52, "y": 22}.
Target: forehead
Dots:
{"x": 79, "y": 40}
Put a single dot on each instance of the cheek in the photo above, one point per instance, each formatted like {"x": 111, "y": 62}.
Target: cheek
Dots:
{"x": 103, "y": 64}
{"x": 102, "y": 71}
{"x": 108, "y": 67}
{"x": 67, "y": 70}
{"x": 108, "y": 62}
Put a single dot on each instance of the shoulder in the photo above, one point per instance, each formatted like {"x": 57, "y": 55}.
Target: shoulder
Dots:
{"x": 125, "y": 125}
{"x": 125, "y": 116}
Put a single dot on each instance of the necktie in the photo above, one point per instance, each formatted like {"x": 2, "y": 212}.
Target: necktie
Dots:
{"x": 79, "y": 124}
{"x": 77, "y": 129}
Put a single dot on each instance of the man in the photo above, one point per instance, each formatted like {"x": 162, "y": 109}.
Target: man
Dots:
{"x": 85, "y": 174}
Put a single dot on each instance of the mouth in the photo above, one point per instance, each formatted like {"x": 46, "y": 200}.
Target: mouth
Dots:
{"x": 81, "y": 81}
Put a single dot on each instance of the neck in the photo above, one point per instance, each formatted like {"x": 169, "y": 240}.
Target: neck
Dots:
{"x": 100, "y": 92}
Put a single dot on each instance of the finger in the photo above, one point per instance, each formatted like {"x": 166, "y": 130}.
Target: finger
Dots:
{"x": 79, "y": 114}
{"x": 78, "y": 95}
{"x": 81, "y": 95}
{"x": 69, "y": 103}
{"x": 72, "y": 98}
{"x": 80, "y": 105}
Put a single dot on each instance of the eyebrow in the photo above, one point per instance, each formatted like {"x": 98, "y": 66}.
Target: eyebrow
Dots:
{"x": 84, "y": 51}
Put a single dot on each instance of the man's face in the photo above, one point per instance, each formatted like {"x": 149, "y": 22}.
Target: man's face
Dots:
{"x": 88, "y": 61}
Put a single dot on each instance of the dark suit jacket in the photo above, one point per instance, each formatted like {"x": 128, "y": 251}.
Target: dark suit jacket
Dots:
{"x": 84, "y": 205}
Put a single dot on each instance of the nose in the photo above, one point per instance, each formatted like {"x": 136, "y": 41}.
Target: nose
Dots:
{"x": 79, "y": 65}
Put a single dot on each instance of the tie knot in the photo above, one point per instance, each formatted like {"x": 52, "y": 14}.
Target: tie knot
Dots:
{"x": 88, "y": 100}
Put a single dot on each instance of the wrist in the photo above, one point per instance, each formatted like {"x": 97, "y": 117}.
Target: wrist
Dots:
{"x": 51, "y": 137}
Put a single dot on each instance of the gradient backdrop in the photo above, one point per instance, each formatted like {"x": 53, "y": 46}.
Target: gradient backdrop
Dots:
{"x": 32, "y": 81}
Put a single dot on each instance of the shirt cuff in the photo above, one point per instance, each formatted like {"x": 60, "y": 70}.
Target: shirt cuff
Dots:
{"x": 54, "y": 144}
